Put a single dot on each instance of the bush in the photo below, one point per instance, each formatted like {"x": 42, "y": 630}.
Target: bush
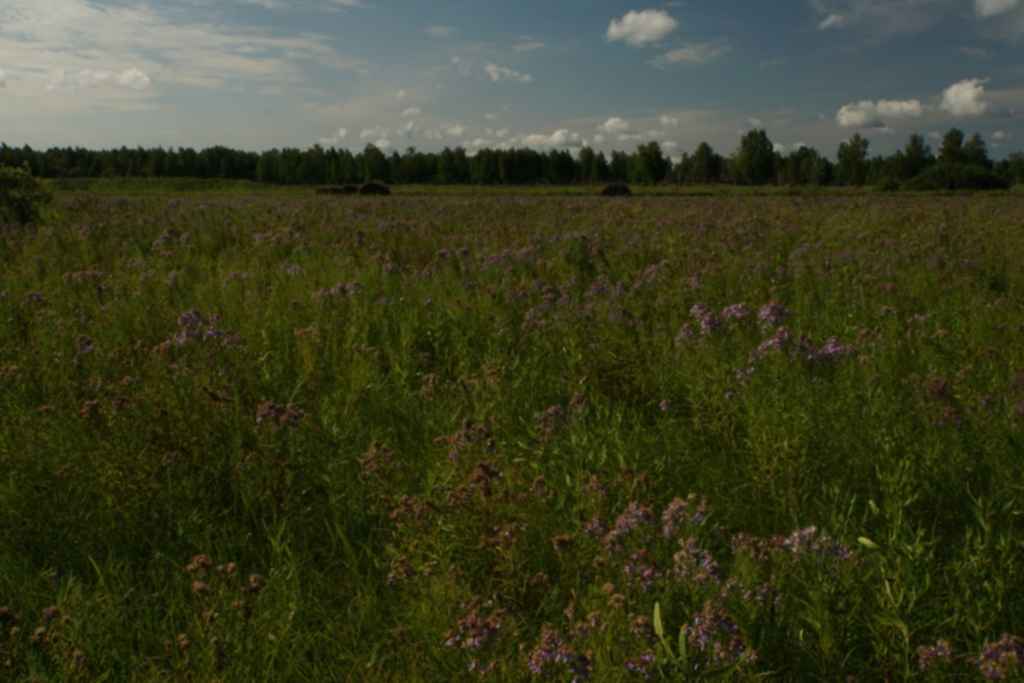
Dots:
{"x": 616, "y": 190}
{"x": 957, "y": 177}
{"x": 22, "y": 197}
{"x": 375, "y": 188}
{"x": 888, "y": 185}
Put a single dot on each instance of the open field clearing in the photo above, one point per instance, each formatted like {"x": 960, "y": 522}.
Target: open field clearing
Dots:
{"x": 279, "y": 437}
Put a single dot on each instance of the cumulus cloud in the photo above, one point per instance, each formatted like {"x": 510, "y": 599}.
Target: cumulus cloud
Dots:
{"x": 965, "y": 98}
{"x": 833, "y": 21}
{"x": 528, "y": 46}
{"x": 614, "y": 125}
{"x": 668, "y": 121}
{"x": 1000, "y": 136}
{"x": 3, "y": 79}
{"x": 440, "y": 31}
{"x": 375, "y": 132}
{"x": 992, "y": 8}
{"x": 503, "y": 73}
{"x": 455, "y": 131}
{"x": 867, "y": 114}
{"x": 642, "y": 28}
{"x": 133, "y": 78}
{"x": 694, "y": 53}
{"x": 411, "y": 112}
{"x": 560, "y": 138}
{"x": 383, "y": 143}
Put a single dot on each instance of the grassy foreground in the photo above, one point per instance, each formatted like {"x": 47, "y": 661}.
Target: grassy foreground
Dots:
{"x": 276, "y": 437}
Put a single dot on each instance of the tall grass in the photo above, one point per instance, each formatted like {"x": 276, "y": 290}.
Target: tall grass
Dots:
{"x": 277, "y": 437}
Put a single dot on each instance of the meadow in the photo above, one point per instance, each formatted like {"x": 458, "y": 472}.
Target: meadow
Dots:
{"x": 268, "y": 436}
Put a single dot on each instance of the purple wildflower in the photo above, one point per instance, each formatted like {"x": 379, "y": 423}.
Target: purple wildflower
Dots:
{"x": 735, "y": 312}
{"x": 634, "y": 516}
{"x": 1000, "y": 659}
{"x": 642, "y": 665}
{"x": 679, "y": 511}
{"x": 772, "y": 314}
{"x": 929, "y": 656}
{"x": 693, "y": 563}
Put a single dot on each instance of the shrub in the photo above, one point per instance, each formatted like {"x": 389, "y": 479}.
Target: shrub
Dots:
{"x": 957, "y": 177}
{"x": 616, "y": 190}
{"x": 888, "y": 185}
{"x": 22, "y": 197}
{"x": 375, "y": 188}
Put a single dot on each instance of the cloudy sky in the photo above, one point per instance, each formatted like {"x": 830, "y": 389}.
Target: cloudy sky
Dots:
{"x": 268, "y": 73}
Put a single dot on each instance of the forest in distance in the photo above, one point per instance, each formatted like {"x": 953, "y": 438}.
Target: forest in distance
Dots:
{"x": 959, "y": 162}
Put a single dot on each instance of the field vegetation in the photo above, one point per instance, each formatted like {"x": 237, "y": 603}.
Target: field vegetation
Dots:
{"x": 271, "y": 436}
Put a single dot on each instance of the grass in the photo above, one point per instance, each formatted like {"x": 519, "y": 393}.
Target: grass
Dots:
{"x": 279, "y": 437}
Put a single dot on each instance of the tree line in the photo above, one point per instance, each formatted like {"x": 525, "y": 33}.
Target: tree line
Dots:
{"x": 756, "y": 161}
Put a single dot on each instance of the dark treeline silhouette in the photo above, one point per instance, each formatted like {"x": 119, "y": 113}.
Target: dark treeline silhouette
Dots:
{"x": 755, "y": 162}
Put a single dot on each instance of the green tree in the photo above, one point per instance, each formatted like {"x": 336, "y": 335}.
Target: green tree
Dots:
{"x": 705, "y": 166}
{"x": 754, "y": 161}
{"x": 975, "y": 151}
{"x": 649, "y": 164}
{"x": 852, "y": 168}
{"x": 952, "y": 151}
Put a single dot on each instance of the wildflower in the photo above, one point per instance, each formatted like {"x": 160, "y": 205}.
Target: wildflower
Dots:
{"x": 474, "y": 631}
{"x": 735, "y": 312}
{"x": 50, "y": 613}
{"x": 641, "y": 569}
{"x": 552, "y": 652}
{"x": 634, "y": 516}
{"x": 713, "y": 633}
{"x": 199, "y": 563}
{"x": 679, "y": 511}
{"x": 777, "y": 342}
{"x": 929, "y": 656}
{"x": 693, "y": 563}
{"x": 281, "y": 416}
{"x": 642, "y": 665}
{"x": 772, "y": 314}
{"x": 1002, "y": 658}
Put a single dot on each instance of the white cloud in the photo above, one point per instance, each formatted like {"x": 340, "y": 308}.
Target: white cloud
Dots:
{"x": 401, "y": 95}
{"x": 992, "y": 8}
{"x": 528, "y": 46}
{"x": 455, "y": 131}
{"x": 965, "y": 98}
{"x": 614, "y": 125}
{"x": 599, "y": 139}
{"x": 440, "y": 31}
{"x": 342, "y": 133}
{"x": 755, "y": 122}
{"x": 383, "y": 143}
{"x": 503, "y": 73}
{"x": 501, "y": 132}
{"x": 833, "y": 21}
{"x": 871, "y": 115}
{"x": 694, "y": 53}
{"x": 133, "y": 78}
{"x": 668, "y": 121}
{"x": 560, "y": 138}
{"x": 642, "y": 28}
{"x": 375, "y": 132}
{"x": 1000, "y": 136}
{"x": 3, "y": 79}
{"x": 134, "y": 45}
{"x": 411, "y": 112}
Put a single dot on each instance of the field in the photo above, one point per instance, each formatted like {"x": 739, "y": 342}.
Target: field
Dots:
{"x": 268, "y": 436}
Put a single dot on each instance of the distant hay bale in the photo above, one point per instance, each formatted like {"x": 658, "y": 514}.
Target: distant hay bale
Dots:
{"x": 337, "y": 189}
{"x": 374, "y": 188}
{"x": 616, "y": 190}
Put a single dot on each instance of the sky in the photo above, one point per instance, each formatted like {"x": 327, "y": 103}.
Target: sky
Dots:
{"x": 258, "y": 74}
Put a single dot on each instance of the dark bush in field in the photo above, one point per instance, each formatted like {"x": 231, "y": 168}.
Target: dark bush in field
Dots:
{"x": 957, "y": 177}
{"x": 337, "y": 189}
{"x": 22, "y": 197}
{"x": 616, "y": 190}
{"x": 375, "y": 188}
{"x": 888, "y": 185}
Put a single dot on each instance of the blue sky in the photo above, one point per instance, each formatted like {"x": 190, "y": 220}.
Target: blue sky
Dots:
{"x": 557, "y": 73}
